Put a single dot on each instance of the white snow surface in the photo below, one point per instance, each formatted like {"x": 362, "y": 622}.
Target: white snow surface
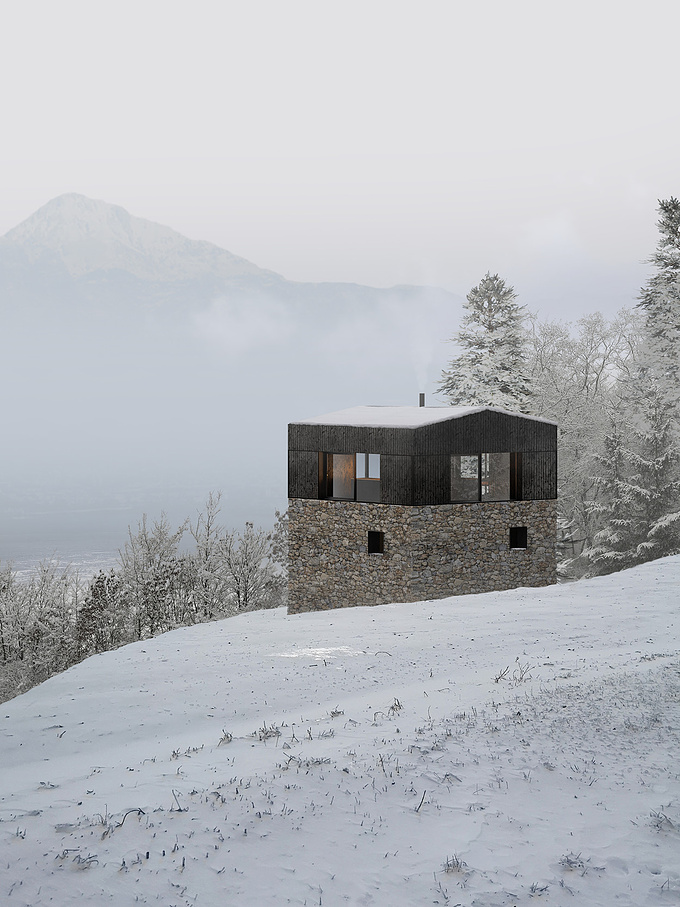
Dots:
{"x": 404, "y": 416}
{"x": 505, "y": 749}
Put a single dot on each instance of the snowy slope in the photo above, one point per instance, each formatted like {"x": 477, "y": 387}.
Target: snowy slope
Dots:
{"x": 376, "y": 756}
{"x": 88, "y": 235}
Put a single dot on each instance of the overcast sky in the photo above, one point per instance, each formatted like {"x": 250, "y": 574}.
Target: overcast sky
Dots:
{"x": 375, "y": 142}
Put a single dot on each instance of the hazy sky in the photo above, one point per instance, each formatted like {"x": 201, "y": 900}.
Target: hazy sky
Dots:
{"x": 375, "y": 142}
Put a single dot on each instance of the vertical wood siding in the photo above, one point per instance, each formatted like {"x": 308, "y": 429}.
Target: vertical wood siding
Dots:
{"x": 415, "y": 463}
{"x": 431, "y": 480}
{"x": 303, "y": 474}
{"x": 396, "y": 479}
{"x": 539, "y": 475}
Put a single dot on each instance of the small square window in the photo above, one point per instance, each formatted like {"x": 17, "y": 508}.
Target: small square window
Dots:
{"x": 518, "y": 536}
{"x": 376, "y": 542}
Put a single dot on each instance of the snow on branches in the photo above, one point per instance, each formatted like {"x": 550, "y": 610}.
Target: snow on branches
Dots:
{"x": 491, "y": 369}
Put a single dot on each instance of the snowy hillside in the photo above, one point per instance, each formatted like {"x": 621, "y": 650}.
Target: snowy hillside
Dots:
{"x": 88, "y": 235}
{"x": 503, "y": 749}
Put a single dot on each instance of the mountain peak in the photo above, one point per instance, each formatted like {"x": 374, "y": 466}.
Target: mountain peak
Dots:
{"x": 89, "y": 235}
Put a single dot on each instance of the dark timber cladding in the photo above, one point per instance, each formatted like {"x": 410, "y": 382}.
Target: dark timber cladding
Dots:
{"x": 404, "y": 503}
{"x": 415, "y": 461}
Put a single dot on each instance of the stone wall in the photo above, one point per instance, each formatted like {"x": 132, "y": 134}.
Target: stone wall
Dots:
{"x": 429, "y": 551}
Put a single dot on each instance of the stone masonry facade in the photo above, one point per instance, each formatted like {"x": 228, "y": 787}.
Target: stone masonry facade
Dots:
{"x": 430, "y": 551}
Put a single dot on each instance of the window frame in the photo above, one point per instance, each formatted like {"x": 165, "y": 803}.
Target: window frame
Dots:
{"x": 366, "y": 488}
{"x": 514, "y": 484}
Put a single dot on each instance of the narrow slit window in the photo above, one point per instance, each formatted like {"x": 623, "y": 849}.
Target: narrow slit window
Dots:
{"x": 495, "y": 476}
{"x": 376, "y": 542}
{"x": 515, "y": 476}
{"x": 368, "y": 477}
{"x": 518, "y": 536}
{"x": 465, "y": 478}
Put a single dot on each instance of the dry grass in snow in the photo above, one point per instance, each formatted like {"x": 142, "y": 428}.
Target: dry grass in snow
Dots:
{"x": 503, "y": 749}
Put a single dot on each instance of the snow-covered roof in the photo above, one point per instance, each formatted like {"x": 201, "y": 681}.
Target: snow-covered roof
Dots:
{"x": 404, "y": 416}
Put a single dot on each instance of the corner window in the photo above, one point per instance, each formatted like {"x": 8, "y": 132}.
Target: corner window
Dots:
{"x": 350, "y": 477}
{"x": 486, "y": 477}
{"x": 518, "y": 536}
{"x": 376, "y": 542}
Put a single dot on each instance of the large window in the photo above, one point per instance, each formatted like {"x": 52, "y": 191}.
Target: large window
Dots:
{"x": 486, "y": 477}
{"x": 350, "y": 477}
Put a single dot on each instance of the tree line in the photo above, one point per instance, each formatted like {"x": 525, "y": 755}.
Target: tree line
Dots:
{"x": 613, "y": 387}
{"x": 164, "y": 578}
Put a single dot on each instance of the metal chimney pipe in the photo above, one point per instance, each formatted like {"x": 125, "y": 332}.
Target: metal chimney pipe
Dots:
{"x": 422, "y": 400}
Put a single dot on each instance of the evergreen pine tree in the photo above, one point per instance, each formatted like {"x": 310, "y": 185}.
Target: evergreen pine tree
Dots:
{"x": 660, "y": 302}
{"x": 654, "y": 486}
{"x": 640, "y": 494}
{"x": 614, "y": 546}
{"x": 492, "y": 368}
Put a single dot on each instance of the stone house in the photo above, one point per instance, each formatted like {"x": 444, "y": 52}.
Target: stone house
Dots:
{"x": 405, "y": 503}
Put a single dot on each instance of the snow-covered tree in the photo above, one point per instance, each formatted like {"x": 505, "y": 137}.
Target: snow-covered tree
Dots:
{"x": 251, "y": 574}
{"x": 237, "y": 571}
{"x": 492, "y": 366}
{"x": 53, "y": 619}
{"x": 55, "y": 594}
{"x": 577, "y": 373}
{"x": 655, "y": 482}
{"x": 37, "y": 620}
{"x": 212, "y": 587}
{"x": 660, "y": 302}
{"x": 645, "y": 502}
{"x": 639, "y": 507}
{"x": 156, "y": 582}
{"x": 614, "y": 546}
{"x": 101, "y": 619}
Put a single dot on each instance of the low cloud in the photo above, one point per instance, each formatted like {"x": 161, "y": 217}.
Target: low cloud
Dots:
{"x": 242, "y": 325}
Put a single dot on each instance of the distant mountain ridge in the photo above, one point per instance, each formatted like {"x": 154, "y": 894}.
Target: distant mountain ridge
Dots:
{"x": 75, "y": 250}
{"x": 87, "y": 236}
{"x": 136, "y": 361}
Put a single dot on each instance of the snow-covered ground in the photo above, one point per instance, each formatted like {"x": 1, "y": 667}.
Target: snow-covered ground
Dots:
{"x": 498, "y": 749}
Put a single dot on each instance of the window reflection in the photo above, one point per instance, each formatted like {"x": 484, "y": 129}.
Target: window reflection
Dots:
{"x": 350, "y": 477}
{"x": 464, "y": 478}
{"x": 368, "y": 466}
{"x": 486, "y": 477}
{"x": 495, "y": 476}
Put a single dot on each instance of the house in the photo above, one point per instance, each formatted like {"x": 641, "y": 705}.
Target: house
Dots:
{"x": 405, "y": 503}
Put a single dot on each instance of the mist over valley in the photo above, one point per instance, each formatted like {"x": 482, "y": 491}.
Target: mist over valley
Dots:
{"x": 142, "y": 369}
